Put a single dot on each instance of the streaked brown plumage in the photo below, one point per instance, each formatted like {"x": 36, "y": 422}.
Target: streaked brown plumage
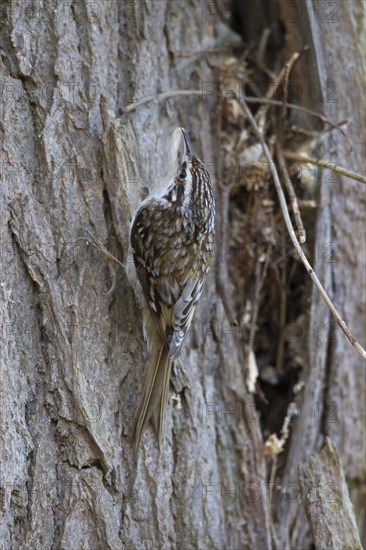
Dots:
{"x": 172, "y": 240}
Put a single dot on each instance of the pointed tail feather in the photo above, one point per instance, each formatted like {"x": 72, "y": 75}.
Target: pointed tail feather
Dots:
{"x": 164, "y": 403}
{"x": 154, "y": 399}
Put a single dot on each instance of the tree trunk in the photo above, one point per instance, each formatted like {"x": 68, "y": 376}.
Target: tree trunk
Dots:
{"x": 74, "y": 166}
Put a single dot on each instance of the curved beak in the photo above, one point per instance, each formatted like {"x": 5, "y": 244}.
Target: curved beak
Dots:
{"x": 187, "y": 146}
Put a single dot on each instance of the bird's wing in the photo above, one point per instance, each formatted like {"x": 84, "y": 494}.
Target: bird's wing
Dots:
{"x": 183, "y": 311}
{"x": 161, "y": 292}
{"x": 171, "y": 304}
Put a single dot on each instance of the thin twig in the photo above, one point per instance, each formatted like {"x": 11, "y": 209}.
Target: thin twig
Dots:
{"x": 292, "y": 196}
{"x": 158, "y": 97}
{"x": 110, "y": 258}
{"x": 312, "y": 135}
{"x": 290, "y": 63}
{"x": 266, "y": 33}
{"x": 301, "y": 109}
{"x": 292, "y": 234}
{"x": 301, "y": 157}
{"x": 272, "y": 89}
{"x": 248, "y": 99}
{"x": 100, "y": 247}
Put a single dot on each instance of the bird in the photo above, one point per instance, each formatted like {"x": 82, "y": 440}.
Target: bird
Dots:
{"x": 172, "y": 242}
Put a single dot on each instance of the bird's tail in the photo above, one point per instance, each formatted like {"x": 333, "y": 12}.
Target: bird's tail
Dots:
{"x": 154, "y": 399}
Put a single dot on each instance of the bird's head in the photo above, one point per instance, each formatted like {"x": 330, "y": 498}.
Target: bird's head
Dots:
{"x": 192, "y": 181}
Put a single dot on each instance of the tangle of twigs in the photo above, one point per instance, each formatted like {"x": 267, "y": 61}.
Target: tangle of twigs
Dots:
{"x": 292, "y": 234}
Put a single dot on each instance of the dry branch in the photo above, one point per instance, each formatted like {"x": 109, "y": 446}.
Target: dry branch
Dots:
{"x": 291, "y": 62}
{"x": 260, "y": 116}
{"x": 248, "y": 99}
{"x": 292, "y": 195}
{"x": 301, "y": 157}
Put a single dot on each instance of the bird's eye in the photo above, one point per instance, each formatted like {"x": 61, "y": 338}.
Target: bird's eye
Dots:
{"x": 183, "y": 175}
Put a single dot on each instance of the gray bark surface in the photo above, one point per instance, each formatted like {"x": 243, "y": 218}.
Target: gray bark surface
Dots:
{"x": 72, "y": 353}
{"x": 326, "y": 500}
